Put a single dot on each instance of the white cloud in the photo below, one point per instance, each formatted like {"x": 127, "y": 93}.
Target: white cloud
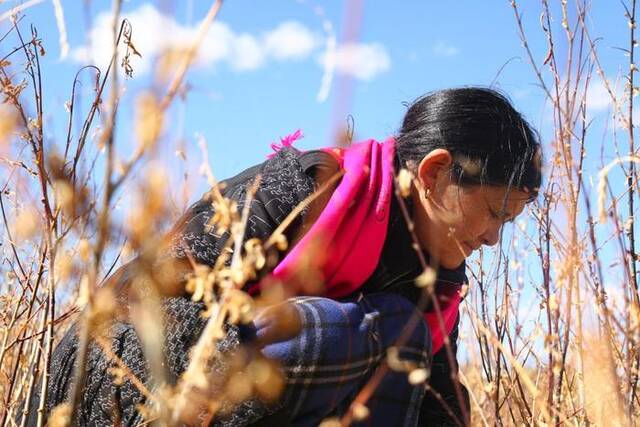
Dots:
{"x": 442, "y": 48}
{"x": 290, "y": 40}
{"x": 598, "y": 98}
{"x": 600, "y": 104}
{"x": 154, "y": 33}
{"x": 148, "y": 42}
{"x": 363, "y": 61}
{"x": 246, "y": 53}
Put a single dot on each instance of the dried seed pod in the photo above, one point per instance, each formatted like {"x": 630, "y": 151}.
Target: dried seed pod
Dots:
{"x": 84, "y": 249}
{"x": 224, "y": 278}
{"x": 195, "y": 286}
{"x": 281, "y": 242}
{"x": 267, "y": 379}
{"x": 118, "y": 375}
{"x": 397, "y": 364}
{"x": 240, "y": 306}
{"x": 404, "y": 180}
{"x": 60, "y": 416}
{"x": 149, "y": 121}
{"x": 418, "y": 376}
{"x": 26, "y": 224}
{"x": 331, "y": 422}
{"x": 427, "y": 279}
{"x": 255, "y": 253}
{"x": 239, "y": 387}
{"x": 360, "y": 411}
{"x": 8, "y": 123}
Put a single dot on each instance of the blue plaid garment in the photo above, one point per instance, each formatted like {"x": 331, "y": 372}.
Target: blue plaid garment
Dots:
{"x": 339, "y": 348}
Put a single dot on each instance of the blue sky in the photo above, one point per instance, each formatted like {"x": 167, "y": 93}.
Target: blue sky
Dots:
{"x": 266, "y": 86}
{"x": 259, "y": 74}
{"x": 242, "y": 104}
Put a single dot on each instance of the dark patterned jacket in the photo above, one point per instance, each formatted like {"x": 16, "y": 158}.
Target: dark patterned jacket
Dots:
{"x": 286, "y": 180}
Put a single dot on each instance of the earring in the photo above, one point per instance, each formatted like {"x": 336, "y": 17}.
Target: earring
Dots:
{"x": 427, "y": 193}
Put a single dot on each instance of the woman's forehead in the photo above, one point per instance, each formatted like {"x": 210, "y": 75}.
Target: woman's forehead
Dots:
{"x": 502, "y": 193}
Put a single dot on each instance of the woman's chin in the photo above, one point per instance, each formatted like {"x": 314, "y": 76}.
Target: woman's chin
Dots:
{"x": 452, "y": 262}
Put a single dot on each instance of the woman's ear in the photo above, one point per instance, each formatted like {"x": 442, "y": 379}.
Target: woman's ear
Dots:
{"x": 433, "y": 166}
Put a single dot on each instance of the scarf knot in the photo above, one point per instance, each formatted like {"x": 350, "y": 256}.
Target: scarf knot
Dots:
{"x": 287, "y": 141}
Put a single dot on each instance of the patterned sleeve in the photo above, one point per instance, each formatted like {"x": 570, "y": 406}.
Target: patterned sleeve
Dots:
{"x": 284, "y": 183}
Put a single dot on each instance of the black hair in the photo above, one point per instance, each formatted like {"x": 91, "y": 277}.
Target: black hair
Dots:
{"x": 491, "y": 143}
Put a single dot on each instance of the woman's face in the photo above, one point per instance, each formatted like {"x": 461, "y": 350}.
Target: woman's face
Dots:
{"x": 452, "y": 221}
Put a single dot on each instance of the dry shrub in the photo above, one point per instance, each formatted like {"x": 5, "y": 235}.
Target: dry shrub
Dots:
{"x": 576, "y": 362}
{"x": 554, "y": 336}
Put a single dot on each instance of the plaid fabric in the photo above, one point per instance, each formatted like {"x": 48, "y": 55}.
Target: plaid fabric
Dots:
{"x": 340, "y": 346}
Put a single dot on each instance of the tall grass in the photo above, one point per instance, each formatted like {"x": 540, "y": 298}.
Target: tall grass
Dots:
{"x": 553, "y": 316}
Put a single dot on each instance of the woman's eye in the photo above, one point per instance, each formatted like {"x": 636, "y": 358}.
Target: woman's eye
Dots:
{"x": 502, "y": 216}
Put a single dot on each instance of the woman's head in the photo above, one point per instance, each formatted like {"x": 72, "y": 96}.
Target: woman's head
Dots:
{"x": 477, "y": 162}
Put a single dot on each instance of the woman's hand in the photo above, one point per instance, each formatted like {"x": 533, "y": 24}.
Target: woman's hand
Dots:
{"x": 277, "y": 323}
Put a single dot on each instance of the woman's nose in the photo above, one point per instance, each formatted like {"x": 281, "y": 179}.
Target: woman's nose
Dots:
{"x": 491, "y": 235}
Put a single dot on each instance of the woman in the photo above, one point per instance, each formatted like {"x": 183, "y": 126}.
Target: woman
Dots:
{"x": 476, "y": 163}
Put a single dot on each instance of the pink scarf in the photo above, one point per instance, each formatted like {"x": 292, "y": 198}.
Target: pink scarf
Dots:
{"x": 352, "y": 228}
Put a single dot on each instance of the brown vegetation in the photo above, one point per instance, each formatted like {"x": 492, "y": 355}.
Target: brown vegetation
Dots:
{"x": 577, "y": 362}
